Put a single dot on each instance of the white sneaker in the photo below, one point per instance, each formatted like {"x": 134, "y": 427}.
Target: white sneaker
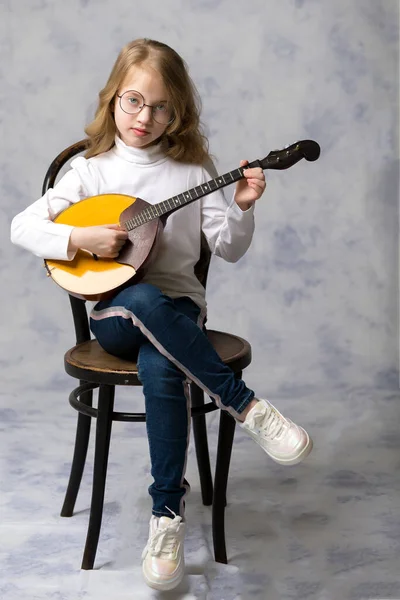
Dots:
{"x": 284, "y": 441}
{"x": 163, "y": 562}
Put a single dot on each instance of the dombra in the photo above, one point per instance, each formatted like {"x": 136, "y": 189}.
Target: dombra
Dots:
{"x": 94, "y": 278}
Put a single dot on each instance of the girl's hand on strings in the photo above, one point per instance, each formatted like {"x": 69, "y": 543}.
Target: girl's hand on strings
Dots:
{"x": 105, "y": 241}
{"x": 251, "y": 188}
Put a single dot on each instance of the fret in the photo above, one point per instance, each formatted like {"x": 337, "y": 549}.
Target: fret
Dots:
{"x": 213, "y": 184}
{"x": 181, "y": 199}
{"x": 205, "y": 187}
{"x": 237, "y": 174}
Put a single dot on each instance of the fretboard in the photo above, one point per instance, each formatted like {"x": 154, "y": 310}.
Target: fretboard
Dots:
{"x": 154, "y": 211}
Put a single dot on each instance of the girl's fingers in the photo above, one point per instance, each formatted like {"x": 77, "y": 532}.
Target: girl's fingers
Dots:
{"x": 256, "y": 172}
{"x": 257, "y": 183}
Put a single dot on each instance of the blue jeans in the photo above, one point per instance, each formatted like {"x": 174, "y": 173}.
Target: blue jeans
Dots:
{"x": 166, "y": 338}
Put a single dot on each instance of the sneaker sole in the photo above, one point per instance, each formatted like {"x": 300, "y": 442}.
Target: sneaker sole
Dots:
{"x": 164, "y": 586}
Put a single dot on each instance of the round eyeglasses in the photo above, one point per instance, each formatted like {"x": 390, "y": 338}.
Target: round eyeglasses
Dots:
{"x": 132, "y": 102}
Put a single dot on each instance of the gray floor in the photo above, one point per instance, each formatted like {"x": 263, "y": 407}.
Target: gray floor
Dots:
{"x": 328, "y": 529}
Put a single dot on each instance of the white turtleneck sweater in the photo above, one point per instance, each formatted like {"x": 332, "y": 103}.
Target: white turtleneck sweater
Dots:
{"x": 150, "y": 175}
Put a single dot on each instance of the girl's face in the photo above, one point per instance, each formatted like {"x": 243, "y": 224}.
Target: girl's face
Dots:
{"x": 141, "y": 130}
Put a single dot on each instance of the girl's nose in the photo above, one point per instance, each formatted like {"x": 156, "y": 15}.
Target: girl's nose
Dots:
{"x": 145, "y": 115}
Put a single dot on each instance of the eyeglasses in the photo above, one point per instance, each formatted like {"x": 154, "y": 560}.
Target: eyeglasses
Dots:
{"x": 132, "y": 102}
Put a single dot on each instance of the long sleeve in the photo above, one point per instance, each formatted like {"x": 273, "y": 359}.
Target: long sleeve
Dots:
{"x": 228, "y": 229}
{"x": 33, "y": 228}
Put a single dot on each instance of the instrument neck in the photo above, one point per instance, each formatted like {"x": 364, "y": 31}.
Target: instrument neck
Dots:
{"x": 166, "y": 207}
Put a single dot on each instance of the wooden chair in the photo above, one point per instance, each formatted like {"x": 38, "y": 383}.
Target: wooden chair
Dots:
{"x": 96, "y": 369}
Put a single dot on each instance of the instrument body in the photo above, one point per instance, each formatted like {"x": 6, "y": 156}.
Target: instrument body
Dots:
{"x": 95, "y": 278}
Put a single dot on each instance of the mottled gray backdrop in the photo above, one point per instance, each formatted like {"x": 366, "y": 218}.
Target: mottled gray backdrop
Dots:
{"x": 316, "y": 294}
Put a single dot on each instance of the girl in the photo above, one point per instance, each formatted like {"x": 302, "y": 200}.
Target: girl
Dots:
{"x": 145, "y": 141}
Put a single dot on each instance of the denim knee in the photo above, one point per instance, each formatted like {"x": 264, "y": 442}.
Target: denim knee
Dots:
{"x": 158, "y": 375}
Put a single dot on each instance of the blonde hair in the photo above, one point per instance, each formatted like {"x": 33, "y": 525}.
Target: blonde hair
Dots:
{"x": 183, "y": 139}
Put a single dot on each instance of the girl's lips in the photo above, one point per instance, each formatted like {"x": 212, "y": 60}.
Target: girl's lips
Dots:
{"x": 140, "y": 132}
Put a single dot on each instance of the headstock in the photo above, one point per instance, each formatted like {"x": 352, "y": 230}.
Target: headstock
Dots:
{"x": 286, "y": 158}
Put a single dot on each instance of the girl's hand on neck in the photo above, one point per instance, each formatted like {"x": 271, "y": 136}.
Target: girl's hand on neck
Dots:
{"x": 251, "y": 188}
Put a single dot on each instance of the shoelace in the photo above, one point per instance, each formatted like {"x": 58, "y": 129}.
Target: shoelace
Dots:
{"x": 271, "y": 424}
{"x": 163, "y": 540}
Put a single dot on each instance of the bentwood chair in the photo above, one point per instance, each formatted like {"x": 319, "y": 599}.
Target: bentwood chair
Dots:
{"x": 97, "y": 370}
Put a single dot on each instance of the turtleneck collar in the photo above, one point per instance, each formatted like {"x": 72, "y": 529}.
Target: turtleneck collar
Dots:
{"x": 140, "y": 156}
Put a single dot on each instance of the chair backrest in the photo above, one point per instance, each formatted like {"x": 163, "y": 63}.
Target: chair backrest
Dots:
{"x": 81, "y": 322}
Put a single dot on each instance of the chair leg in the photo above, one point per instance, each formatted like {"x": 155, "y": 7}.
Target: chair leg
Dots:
{"x": 79, "y": 458}
{"x": 103, "y": 435}
{"x": 225, "y": 441}
{"x": 201, "y": 445}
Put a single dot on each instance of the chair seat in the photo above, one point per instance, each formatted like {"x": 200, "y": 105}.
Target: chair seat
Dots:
{"x": 88, "y": 361}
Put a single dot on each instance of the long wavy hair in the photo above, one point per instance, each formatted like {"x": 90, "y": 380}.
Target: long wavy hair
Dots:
{"x": 183, "y": 139}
